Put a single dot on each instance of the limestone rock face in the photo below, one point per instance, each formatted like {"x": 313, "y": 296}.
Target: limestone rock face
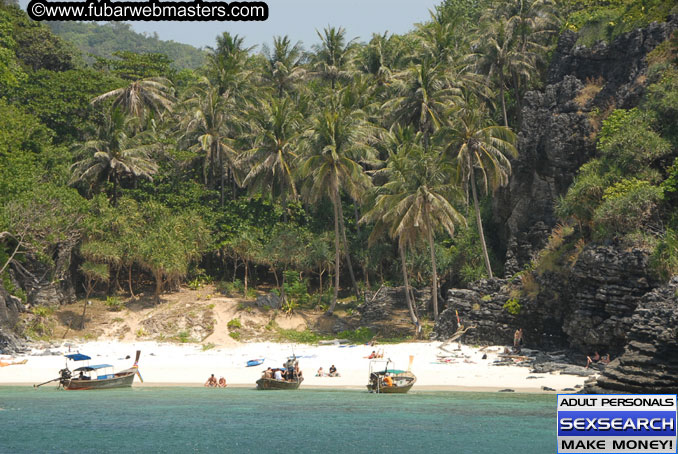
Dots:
{"x": 10, "y": 307}
{"x": 378, "y": 306}
{"x": 649, "y": 363}
{"x": 605, "y": 287}
{"x": 556, "y": 133}
{"x": 480, "y": 306}
{"x": 585, "y": 308}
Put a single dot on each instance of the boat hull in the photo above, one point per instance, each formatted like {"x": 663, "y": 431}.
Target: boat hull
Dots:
{"x": 271, "y": 383}
{"x": 403, "y": 383}
{"x": 121, "y": 380}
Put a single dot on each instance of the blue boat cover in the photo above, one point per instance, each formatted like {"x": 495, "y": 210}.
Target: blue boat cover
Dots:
{"x": 88, "y": 368}
{"x": 78, "y": 357}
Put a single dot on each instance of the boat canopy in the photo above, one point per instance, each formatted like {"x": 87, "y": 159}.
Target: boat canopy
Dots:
{"x": 78, "y": 357}
{"x": 90, "y": 368}
{"x": 391, "y": 371}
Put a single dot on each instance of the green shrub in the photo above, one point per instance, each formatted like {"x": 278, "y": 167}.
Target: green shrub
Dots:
{"x": 627, "y": 207}
{"x": 7, "y": 282}
{"x": 183, "y": 337}
{"x": 585, "y": 194}
{"x": 232, "y": 289}
{"x": 235, "y": 335}
{"x": 512, "y": 306}
{"x": 300, "y": 337}
{"x": 664, "y": 259}
{"x": 115, "y": 304}
{"x": 629, "y": 143}
{"x": 234, "y": 324}
{"x": 358, "y": 336}
{"x": 296, "y": 290}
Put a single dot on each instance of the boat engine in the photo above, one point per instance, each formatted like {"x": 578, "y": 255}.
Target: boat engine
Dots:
{"x": 65, "y": 376}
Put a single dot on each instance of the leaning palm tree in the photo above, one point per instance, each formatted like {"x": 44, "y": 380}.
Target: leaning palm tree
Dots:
{"x": 333, "y": 56}
{"x": 276, "y": 126}
{"x": 210, "y": 122}
{"x": 155, "y": 94}
{"x": 335, "y": 144}
{"x": 479, "y": 146}
{"x": 114, "y": 154}
{"x": 414, "y": 203}
{"x": 283, "y": 65}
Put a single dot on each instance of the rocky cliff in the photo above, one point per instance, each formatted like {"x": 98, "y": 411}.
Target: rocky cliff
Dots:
{"x": 10, "y": 307}
{"x": 649, "y": 363}
{"x": 584, "y": 307}
{"x": 557, "y": 131}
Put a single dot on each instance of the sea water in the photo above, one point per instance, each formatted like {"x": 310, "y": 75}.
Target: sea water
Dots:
{"x": 205, "y": 420}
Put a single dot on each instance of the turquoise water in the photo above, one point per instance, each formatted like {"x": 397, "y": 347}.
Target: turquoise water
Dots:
{"x": 197, "y": 420}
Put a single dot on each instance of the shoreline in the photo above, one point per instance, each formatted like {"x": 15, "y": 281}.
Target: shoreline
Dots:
{"x": 416, "y": 389}
{"x": 456, "y": 368}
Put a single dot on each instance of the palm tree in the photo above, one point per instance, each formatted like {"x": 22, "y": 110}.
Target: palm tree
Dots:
{"x": 226, "y": 65}
{"x": 534, "y": 22}
{"x": 334, "y": 145}
{"x": 114, "y": 154}
{"x": 210, "y": 122}
{"x": 501, "y": 55}
{"x": 383, "y": 56}
{"x": 276, "y": 126}
{"x": 283, "y": 65}
{"x": 332, "y": 59}
{"x": 478, "y": 145}
{"x": 137, "y": 99}
{"x": 423, "y": 97}
{"x": 415, "y": 201}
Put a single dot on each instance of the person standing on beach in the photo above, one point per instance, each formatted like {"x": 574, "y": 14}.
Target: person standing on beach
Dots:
{"x": 518, "y": 340}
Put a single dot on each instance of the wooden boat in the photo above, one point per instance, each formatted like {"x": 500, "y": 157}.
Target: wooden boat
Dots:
{"x": 272, "y": 383}
{"x": 291, "y": 367}
{"x": 402, "y": 380}
{"x": 106, "y": 380}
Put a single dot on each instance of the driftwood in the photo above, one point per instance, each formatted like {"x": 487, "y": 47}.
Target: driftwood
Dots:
{"x": 460, "y": 332}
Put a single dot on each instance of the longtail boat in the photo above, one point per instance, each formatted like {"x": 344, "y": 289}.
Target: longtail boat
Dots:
{"x": 383, "y": 380}
{"x": 291, "y": 368}
{"x": 99, "y": 376}
{"x": 272, "y": 383}
{"x": 106, "y": 380}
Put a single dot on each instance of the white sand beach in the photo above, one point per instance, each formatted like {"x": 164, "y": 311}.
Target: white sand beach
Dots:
{"x": 167, "y": 364}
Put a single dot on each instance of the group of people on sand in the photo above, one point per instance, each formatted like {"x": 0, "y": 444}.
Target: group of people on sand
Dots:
{"x": 596, "y": 358}
{"x": 213, "y": 383}
{"x": 289, "y": 372}
{"x": 332, "y": 373}
{"x": 376, "y": 354}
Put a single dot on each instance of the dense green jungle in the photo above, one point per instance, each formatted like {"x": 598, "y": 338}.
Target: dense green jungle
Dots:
{"x": 323, "y": 172}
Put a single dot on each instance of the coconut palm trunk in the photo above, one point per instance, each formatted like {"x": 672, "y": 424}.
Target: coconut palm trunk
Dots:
{"x": 434, "y": 278}
{"x": 129, "y": 280}
{"x": 158, "y": 285}
{"x": 347, "y": 252}
{"x": 480, "y": 223}
{"x": 503, "y": 101}
{"x": 410, "y": 304}
{"x": 336, "y": 256}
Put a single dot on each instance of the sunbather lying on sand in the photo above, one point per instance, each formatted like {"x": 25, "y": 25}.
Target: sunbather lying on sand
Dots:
{"x": 15, "y": 363}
